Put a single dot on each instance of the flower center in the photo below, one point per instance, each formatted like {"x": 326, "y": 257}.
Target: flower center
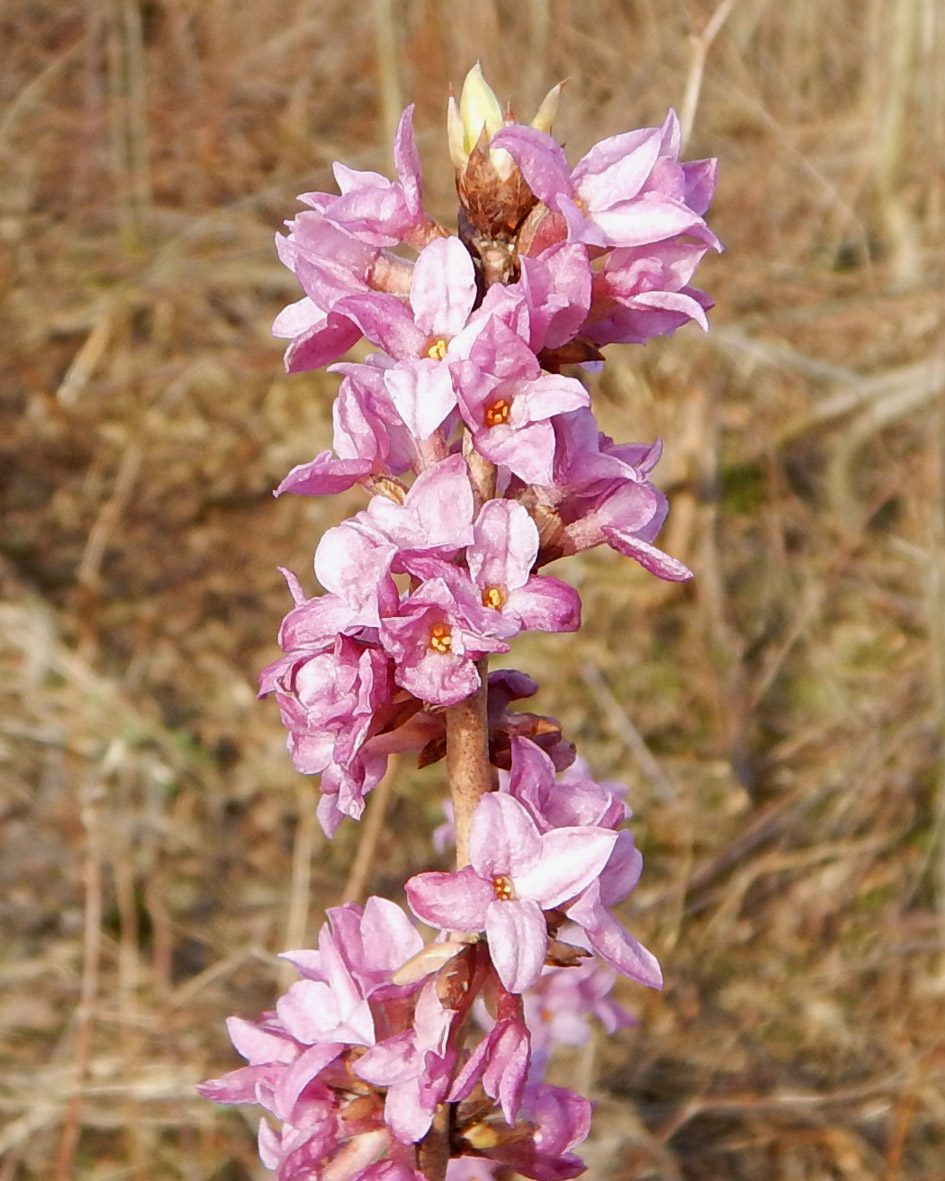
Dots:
{"x": 498, "y": 412}
{"x": 504, "y": 890}
{"x": 436, "y": 349}
{"x": 441, "y": 639}
{"x": 494, "y": 596}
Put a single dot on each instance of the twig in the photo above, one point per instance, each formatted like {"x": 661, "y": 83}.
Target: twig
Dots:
{"x": 701, "y": 43}
{"x": 88, "y": 989}
{"x": 86, "y": 359}
{"x": 894, "y": 123}
{"x": 31, "y": 93}
{"x": 385, "y": 43}
{"x": 303, "y": 852}
{"x": 627, "y": 732}
{"x": 371, "y": 829}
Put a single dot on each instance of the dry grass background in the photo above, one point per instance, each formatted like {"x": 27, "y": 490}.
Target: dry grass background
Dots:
{"x": 780, "y": 720}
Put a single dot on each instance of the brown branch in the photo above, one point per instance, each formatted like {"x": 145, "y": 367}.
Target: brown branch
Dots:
{"x": 467, "y": 759}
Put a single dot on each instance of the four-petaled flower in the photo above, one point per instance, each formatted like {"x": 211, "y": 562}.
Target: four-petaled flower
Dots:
{"x": 515, "y": 874}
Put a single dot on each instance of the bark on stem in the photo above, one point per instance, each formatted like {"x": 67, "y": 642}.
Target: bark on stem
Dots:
{"x": 433, "y": 1151}
{"x": 467, "y": 725}
{"x": 467, "y": 759}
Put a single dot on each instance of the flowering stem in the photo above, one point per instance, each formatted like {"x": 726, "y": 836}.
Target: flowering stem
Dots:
{"x": 481, "y": 472}
{"x": 467, "y": 759}
{"x": 438, "y": 572}
{"x": 467, "y": 726}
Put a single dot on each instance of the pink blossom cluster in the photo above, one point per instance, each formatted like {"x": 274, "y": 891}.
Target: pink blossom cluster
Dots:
{"x": 482, "y": 460}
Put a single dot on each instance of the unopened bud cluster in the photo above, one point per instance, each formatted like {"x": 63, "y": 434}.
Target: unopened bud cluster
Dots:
{"x": 483, "y": 462}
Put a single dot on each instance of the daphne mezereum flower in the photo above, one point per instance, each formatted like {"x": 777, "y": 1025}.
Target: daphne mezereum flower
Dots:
{"x": 355, "y": 560}
{"x": 338, "y": 248}
{"x": 500, "y": 561}
{"x": 552, "y": 1121}
{"x": 438, "y": 634}
{"x": 369, "y": 439}
{"x": 596, "y": 497}
{"x": 344, "y": 1025}
{"x": 501, "y": 1060}
{"x": 559, "y": 801}
{"x": 643, "y": 291}
{"x": 515, "y": 873}
{"x": 629, "y": 190}
{"x": 508, "y": 403}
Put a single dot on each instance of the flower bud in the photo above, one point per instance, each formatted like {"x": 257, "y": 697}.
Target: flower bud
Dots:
{"x": 478, "y": 110}
{"x": 493, "y": 194}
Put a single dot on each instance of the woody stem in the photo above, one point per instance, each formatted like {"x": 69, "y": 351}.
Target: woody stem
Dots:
{"x": 467, "y": 759}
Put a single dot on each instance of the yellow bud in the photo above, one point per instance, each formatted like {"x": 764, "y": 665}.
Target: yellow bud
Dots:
{"x": 545, "y": 115}
{"x": 478, "y": 110}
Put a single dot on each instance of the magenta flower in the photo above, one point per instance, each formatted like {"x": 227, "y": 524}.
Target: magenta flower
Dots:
{"x": 555, "y": 802}
{"x": 415, "y": 1067}
{"x": 336, "y": 249}
{"x": 629, "y": 190}
{"x": 355, "y": 559}
{"x": 436, "y": 516}
{"x": 501, "y": 1060}
{"x": 558, "y": 1009}
{"x": 358, "y": 952}
{"x": 500, "y": 560}
{"x": 507, "y": 402}
{"x": 558, "y": 1121}
{"x": 369, "y": 438}
{"x": 438, "y": 634}
{"x": 598, "y": 497}
{"x": 642, "y": 292}
{"x": 329, "y": 699}
{"x": 515, "y": 873}
{"x": 424, "y": 338}
{"x": 301, "y": 1069}
{"x": 606, "y": 936}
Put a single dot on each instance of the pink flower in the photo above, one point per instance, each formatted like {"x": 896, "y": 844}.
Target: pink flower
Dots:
{"x": 369, "y": 438}
{"x": 642, "y": 292}
{"x": 501, "y": 1060}
{"x": 500, "y": 560}
{"x": 599, "y": 496}
{"x": 558, "y": 1009}
{"x": 555, "y": 802}
{"x": 557, "y": 1120}
{"x": 515, "y": 873}
{"x": 336, "y": 249}
{"x": 628, "y": 190}
{"x": 415, "y": 1067}
{"x": 436, "y": 637}
{"x": 420, "y": 337}
{"x": 507, "y": 402}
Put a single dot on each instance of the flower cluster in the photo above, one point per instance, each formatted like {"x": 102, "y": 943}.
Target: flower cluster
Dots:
{"x": 482, "y": 460}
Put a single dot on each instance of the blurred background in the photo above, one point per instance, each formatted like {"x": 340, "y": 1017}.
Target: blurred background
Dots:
{"x": 779, "y": 720}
